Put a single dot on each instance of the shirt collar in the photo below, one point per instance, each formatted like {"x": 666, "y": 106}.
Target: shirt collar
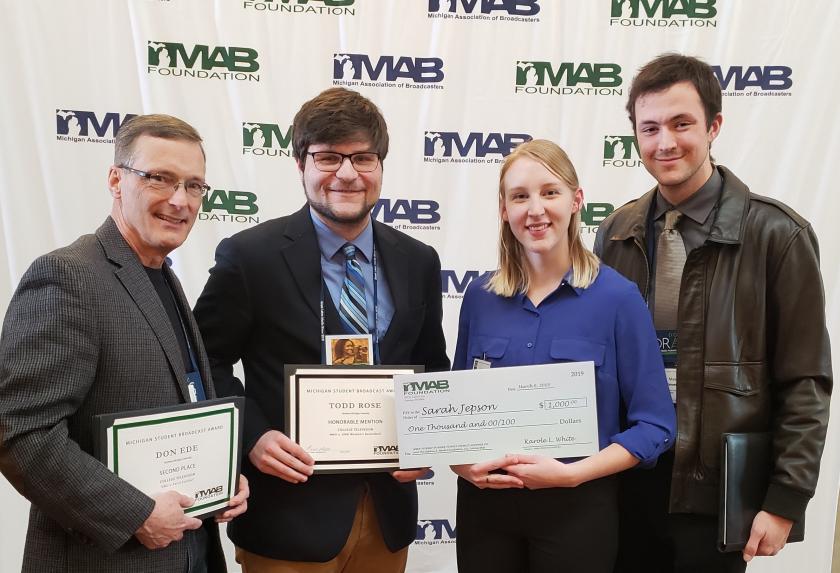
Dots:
{"x": 331, "y": 243}
{"x": 566, "y": 282}
{"x": 699, "y": 205}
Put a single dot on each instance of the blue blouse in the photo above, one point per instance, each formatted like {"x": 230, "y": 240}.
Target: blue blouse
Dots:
{"x": 608, "y": 324}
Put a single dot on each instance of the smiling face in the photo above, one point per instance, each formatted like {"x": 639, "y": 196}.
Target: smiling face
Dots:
{"x": 538, "y": 206}
{"x": 674, "y": 140}
{"x": 343, "y": 199}
{"x": 154, "y": 223}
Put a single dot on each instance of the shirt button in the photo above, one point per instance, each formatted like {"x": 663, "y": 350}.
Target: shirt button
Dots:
{"x": 530, "y": 345}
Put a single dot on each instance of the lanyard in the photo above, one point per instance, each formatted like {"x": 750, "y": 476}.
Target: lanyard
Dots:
{"x": 193, "y": 361}
{"x": 195, "y": 385}
{"x": 375, "y": 333}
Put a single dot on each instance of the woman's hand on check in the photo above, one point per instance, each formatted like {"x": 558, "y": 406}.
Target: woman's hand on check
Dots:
{"x": 480, "y": 475}
{"x": 538, "y": 472}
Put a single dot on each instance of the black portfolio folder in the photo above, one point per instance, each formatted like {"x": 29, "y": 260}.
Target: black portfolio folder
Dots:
{"x": 746, "y": 464}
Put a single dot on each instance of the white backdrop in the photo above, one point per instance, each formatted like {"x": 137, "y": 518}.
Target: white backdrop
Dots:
{"x": 459, "y": 81}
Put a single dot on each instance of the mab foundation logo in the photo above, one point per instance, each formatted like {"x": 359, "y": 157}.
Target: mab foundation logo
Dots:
{"x": 266, "y": 140}
{"x": 316, "y": 7}
{"x": 407, "y": 72}
{"x": 491, "y": 10}
{"x": 663, "y": 13}
{"x": 425, "y": 387}
{"x": 200, "y": 61}
{"x": 621, "y": 151}
{"x": 755, "y": 80}
{"x": 471, "y": 147}
{"x": 224, "y": 206}
{"x": 87, "y": 126}
{"x": 592, "y": 215}
{"x": 434, "y": 532}
{"x": 453, "y": 284}
{"x": 568, "y": 78}
{"x": 203, "y": 494}
{"x": 408, "y": 214}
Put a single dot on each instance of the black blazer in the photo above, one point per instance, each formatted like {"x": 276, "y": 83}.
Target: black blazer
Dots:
{"x": 261, "y": 306}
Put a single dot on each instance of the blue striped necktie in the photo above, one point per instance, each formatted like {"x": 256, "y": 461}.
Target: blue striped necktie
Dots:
{"x": 352, "y": 309}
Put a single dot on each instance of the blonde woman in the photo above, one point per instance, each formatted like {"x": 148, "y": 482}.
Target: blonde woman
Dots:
{"x": 551, "y": 301}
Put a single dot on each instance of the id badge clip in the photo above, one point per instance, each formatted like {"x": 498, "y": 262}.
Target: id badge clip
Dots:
{"x": 481, "y": 363}
{"x": 195, "y": 387}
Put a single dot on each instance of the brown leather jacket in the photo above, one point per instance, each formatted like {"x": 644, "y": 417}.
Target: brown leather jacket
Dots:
{"x": 753, "y": 346}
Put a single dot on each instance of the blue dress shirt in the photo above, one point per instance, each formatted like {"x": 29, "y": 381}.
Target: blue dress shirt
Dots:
{"x": 607, "y": 323}
{"x": 332, "y": 269}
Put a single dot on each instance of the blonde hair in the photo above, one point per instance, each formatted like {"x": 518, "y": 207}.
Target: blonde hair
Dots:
{"x": 512, "y": 276}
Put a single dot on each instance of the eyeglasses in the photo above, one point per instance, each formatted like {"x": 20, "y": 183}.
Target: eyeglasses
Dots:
{"x": 167, "y": 182}
{"x": 331, "y": 161}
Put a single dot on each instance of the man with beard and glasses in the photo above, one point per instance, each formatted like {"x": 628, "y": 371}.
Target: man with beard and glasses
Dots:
{"x": 275, "y": 292}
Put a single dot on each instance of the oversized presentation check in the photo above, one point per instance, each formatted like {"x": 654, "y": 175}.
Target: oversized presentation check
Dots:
{"x": 470, "y": 416}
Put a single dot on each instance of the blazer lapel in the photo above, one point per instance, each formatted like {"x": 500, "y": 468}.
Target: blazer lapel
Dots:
{"x": 135, "y": 281}
{"x": 303, "y": 257}
{"x": 396, "y": 266}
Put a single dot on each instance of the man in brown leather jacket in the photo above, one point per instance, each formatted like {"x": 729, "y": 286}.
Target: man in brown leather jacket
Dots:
{"x": 734, "y": 285}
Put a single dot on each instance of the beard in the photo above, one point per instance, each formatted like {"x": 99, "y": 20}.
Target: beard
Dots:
{"x": 329, "y": 213}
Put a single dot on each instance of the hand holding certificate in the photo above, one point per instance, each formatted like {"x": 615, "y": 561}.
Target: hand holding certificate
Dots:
{"x": 343, "y": 417}
{"x": 190, "y": 448}
{"x": 475, "y": 415}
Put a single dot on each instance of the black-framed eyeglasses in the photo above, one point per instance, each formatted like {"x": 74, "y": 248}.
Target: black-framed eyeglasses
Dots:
{"x": 330, "y": 161}
{"x": 165, "y": 182}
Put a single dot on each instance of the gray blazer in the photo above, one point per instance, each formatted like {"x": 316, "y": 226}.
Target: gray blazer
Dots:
{"x": 86, "y": 334}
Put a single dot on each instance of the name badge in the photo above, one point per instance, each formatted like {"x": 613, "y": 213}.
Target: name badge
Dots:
{"x": 195, "y": 387}
{"x": 349, "y": 349}
{"x": 668, "y": 342}
{"x": 671, "y": 374}
{"x": 480, "y": 364}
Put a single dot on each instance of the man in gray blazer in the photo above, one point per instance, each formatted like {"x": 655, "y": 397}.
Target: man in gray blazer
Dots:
{"x": 103, "y": 326}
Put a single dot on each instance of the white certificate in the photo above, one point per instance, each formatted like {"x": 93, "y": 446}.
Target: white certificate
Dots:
{"x": 344, "y": 416}
{"x": 190, "y": 448}
{"x": 470, "y": 416}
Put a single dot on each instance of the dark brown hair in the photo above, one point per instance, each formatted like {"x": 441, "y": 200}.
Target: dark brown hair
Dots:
{"x": 338, "y": 115}
{"x": 669, "y": 69}
{"x": 154, "y": 125}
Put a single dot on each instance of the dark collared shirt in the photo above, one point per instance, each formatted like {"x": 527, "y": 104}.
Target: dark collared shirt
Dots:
{"x": 169, "y": 303}
{"x": 696, "y": 224}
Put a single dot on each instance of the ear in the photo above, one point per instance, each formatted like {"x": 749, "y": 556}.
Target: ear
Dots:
{"x": 577, "y": 200}
{"x": 714, "y": 129}
{"x": 114, "y": 179}
{"x": 300, "y": 166}
{"x": 503, "y": 215}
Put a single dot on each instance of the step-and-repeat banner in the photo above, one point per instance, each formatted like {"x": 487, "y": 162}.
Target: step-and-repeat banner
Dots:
{"x": 460, "y": 82}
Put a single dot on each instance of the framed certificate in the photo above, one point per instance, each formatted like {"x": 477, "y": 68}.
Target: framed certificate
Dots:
{"x": 344, "y": 415}
{"x": 189, "y": 448}
{"x": 471, "y": 416}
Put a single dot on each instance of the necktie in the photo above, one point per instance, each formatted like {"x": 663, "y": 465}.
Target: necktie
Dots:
{"x": 352, "y": 308}
{"x": 670, "y": 260}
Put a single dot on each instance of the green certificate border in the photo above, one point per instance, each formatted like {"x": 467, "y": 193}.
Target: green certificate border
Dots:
{"x": 230, "y": 411}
